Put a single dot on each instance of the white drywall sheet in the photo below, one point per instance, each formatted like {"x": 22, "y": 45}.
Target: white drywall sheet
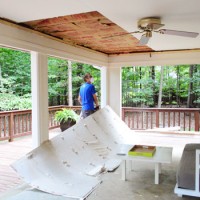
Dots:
{"x": 67, "y": 164}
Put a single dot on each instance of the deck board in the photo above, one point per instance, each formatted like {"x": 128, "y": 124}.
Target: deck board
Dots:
{"x": 9, "y": 153}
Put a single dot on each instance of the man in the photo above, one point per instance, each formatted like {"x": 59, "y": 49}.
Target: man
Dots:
{"x": 87, "y": 97}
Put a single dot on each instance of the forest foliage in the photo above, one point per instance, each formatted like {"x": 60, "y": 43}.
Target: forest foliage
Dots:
{"x": 140, "y": 85}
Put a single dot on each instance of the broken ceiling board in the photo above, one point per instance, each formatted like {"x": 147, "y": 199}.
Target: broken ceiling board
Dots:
{"x": 89, "y": 30}
{"x": 61, "y": 165}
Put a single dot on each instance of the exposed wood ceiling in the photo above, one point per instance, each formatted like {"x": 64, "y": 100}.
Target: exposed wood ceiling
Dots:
{"x": 89, "y": 30}
{"x": 86, "y": 23}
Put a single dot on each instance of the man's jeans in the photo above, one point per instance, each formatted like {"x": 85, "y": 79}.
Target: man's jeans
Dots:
{"x": 86, "y": 113}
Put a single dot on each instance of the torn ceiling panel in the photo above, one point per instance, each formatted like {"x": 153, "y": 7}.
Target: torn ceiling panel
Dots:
{"x": 89, "y": 30}
{"x": 62, "y": 165}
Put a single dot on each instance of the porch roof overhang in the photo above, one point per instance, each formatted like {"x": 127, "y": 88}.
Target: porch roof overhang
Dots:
{"x": 75, "y": 30}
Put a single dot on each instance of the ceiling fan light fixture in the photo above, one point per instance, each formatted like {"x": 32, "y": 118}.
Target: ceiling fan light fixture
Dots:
{"x": 148, "y": 23}
{"x": 148, "y": 34}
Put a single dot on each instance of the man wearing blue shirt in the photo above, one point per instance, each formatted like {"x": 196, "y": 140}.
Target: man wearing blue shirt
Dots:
{"x": 87, "y": 96}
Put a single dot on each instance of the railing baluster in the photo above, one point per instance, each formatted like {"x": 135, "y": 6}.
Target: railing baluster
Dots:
{"x": 31, "y": 122}
{"x": 142, "y": 120}
{"x": 18, "y": 124}
{"x": 51, "y": 117}
{"x": 129, "y": 119}
{"x": 157, "y": 119}
{"x": 168, "y": 119}
{"x": 163, "y": 119}
{"x": 26, "y": 122}
{"x": 179, "y": 119}
{"x": 174, "y": 116}
{"x": 4, "y": 128}
{"x": 133, "y": 123}
{"x": 11, "y": 128}
{"x": 14, "y": 121}
{"x": 151, "y": 120}
{"x": 22, "y": 123}
{"x": 184, "y": 121}
{"x": 137, "y": 120}
{"x": 147, "y": 117}
{"x": 196, "y": 114}
{"x": 189, "y": 121}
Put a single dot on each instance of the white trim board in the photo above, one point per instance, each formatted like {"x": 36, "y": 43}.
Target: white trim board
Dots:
{"x": 155, "y": 58}
{"x": 15, "y": 37}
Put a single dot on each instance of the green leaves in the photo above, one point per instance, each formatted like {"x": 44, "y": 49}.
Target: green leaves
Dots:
{"x": 66, "y": 114}
{"x": 140, "y": 85}
{"x": 13, "y": 102}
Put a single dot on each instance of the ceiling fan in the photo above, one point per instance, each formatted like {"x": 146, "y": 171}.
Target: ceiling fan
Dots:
{"x": 153, "y": 24}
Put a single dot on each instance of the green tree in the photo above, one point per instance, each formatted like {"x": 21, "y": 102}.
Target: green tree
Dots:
{"x": 15, "y": 72}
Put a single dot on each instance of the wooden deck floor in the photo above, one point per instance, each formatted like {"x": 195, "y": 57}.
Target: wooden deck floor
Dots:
{"x": 10, "y": 152}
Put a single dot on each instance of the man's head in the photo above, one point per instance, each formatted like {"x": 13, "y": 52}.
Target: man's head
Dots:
{"x": 88, "y": 78}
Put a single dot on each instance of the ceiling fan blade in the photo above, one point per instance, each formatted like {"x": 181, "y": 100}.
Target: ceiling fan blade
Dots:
{"x": 122, "y": 34}
{"x": 143, "y": 40}
{"x": 178, "y": 33}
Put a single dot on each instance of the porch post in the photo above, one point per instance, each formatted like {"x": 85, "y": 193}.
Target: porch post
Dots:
{"x": 39, "y": 86}
{"x": 70, "y": 96}
{"x": 103, "y": 86}
{"x": 114, "y": 88}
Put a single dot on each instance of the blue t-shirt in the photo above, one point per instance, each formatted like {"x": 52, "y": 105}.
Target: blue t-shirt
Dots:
{"x": 86, "y": 93}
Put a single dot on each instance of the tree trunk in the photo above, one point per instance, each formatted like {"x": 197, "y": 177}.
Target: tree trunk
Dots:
{"x": 195, "y": 86}
{"x": 198, "y": 86}
{"x": 1, "y": 83}
{"x": 161, "y": 85}
{"x": 190, "y": 88}
{"x": 58, "y": 97}
{"x": 140, "y": 89}
{"x": 178, "y": 86}
{"x": 153, "y": 88}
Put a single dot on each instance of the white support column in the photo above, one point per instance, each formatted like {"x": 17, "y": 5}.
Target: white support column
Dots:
{"x": 39, "y": 85}
{"x": 70, "y": 98}
{"x": 114, "y": 89}
{"x": 103, "y": 86}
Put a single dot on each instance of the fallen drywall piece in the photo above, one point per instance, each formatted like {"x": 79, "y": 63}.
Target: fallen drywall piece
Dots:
{"x": 60, "y": 166}
{"x": 112, "y": 164}
{"x": 36, "y": 194}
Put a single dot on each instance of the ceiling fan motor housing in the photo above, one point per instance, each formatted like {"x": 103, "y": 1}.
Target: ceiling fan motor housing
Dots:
{"x": 148, "y": 23}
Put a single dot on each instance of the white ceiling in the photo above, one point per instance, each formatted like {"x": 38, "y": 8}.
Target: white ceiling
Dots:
{"x": 180, "y": 15}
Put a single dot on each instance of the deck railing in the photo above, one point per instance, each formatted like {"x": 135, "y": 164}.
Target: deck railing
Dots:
{"x": 149, "y": 118}
{"x": 17, "y": 123}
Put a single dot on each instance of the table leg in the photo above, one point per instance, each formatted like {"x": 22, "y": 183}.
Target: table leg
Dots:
{"x": 130, "y": 167}
{"x": 157, "y": 172}
{"x": 124, "y": 170}
{"x": 160, "y": 168}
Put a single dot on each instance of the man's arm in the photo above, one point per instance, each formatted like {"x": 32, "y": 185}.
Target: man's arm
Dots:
{"x": 96, "y": 100}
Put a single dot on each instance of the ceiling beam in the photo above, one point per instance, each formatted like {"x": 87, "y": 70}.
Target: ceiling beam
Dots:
{"x": 18, "y": 37}
{"x": 155, "y": 58}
